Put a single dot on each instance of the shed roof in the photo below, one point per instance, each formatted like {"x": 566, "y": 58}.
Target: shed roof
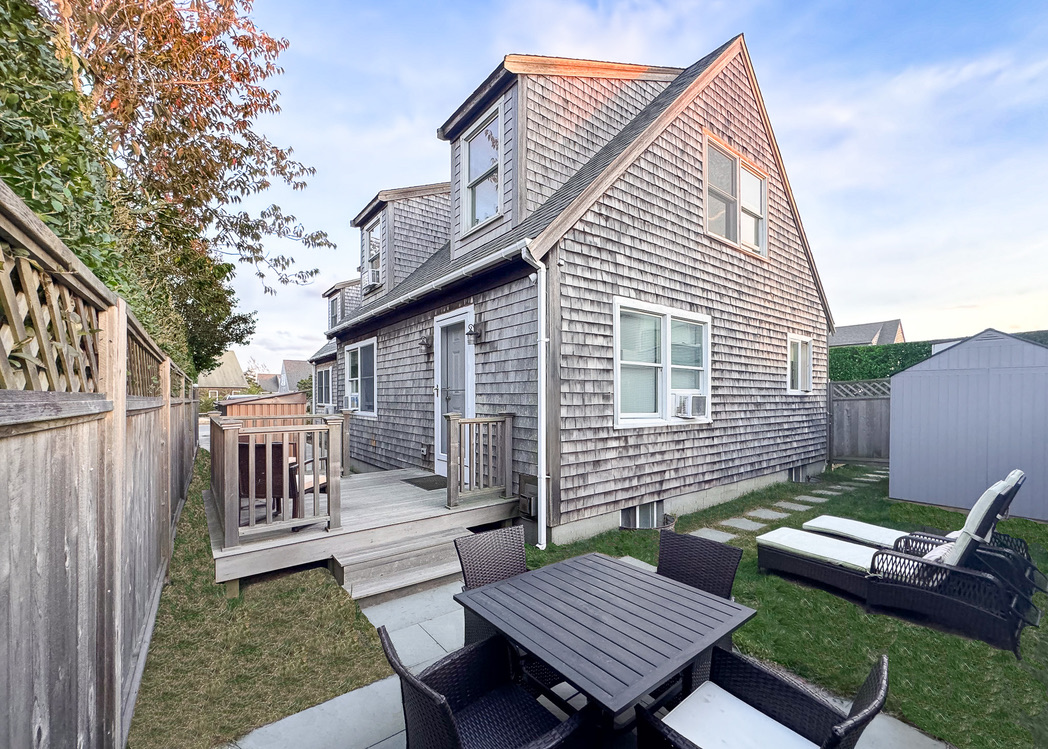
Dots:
{"x": 990, "y": 349}
{"x": 550, "y": 221}
{"x": 868, "y": 334}
{"x": 227, "y": 374}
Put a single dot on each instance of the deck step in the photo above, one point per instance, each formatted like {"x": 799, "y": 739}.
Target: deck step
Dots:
{"x": 401, "y": 564}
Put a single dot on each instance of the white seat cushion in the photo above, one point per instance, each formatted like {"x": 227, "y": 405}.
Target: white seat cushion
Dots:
{"x": 714, "y": 719}
{"x": 820, "y": 548}
{"x": 982, "y": 506}
{"x": 856, "y": 530}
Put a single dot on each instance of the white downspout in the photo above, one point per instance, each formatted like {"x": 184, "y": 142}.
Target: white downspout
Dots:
{"x": 543, "y": 341}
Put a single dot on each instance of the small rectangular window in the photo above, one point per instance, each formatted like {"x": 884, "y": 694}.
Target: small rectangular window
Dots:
{"x": 482, "y": 154}
{"x": 322, "y": 388}
{"x": 736, "y": 199}
{"x": 647, "y": 515}
{"x": 372, "y": 261}
{"x": 333, "y": 312}
{"x": 799, "y": 365}
{"x": 360, "y": 378}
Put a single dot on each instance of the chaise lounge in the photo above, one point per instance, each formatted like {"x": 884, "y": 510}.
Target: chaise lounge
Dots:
{"x": 940, "y": 589}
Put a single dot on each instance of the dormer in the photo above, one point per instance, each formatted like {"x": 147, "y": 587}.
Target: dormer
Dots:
{"x": 399, "y": 230}
{"x": 341, "y": 300}
{"x": 533, "y": 123}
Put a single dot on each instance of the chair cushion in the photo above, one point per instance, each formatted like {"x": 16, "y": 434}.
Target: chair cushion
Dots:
{"x": 939, "y": 552}
{"x": 820, "y": 548}
{"x": 505, "y": 717}
{"x": 983, "y": 506}
{"x": 855, "y": 530}
{"x": 715, "y": 719}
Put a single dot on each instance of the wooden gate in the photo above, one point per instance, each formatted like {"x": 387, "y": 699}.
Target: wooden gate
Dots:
{"x": 860, "y": 419}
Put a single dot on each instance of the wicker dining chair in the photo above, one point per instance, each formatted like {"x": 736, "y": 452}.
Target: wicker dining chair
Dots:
{"x": 776, "y": 705}
{"x": 698, "y": 562}
{"x": 489, "y": 557}
{"x": 470, "y": 699}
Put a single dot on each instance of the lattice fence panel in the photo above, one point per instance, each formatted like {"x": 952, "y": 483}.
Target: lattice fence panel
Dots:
{"x": 143, "y": 369}
{"x": 48, "y": 334}
{"x": 862, "y": 389}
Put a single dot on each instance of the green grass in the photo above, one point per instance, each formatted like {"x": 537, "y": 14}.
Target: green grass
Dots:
{"x": 217, "y": 668}
{"x": 962, "y": 691}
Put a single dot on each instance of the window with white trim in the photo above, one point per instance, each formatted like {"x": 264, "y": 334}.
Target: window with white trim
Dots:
{"x": 481, "y": 168}
{"x": 360, "y": 378}
{"x": 322, "y": 388}
{"x": 656, "y": 383}
{"x": 373, "y": 254}
{"x": 333, "y": 311}
{"x": 736, "y": 199}
{"x": 798, "y": 365}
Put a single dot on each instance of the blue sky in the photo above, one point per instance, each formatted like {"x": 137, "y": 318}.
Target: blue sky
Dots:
{"x": 915, "y": 135}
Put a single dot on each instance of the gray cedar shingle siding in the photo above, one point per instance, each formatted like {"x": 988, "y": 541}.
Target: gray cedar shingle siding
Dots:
{"x": 644, "y": 239}
{"x": 567, "y": 121}
{"x": 506, "y": 375}
{"x": 420, "y": 227}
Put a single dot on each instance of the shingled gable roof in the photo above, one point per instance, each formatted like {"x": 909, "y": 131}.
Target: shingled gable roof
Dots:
{"x": 400, "y": 193}
{"x": 550, "y": 221}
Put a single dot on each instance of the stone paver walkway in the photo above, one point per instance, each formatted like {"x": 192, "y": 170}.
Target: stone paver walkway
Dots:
{"x": 713, "y": 535}
{"x": 743, "y": 524}
{"x": 764, "y": 514}
{"x": 792, "y": 506}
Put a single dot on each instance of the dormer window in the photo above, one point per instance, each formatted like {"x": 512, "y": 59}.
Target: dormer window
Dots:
{"x": 482, "y": 156}
{"x": 332, "y": 311}
{"x": 373, "y": 254}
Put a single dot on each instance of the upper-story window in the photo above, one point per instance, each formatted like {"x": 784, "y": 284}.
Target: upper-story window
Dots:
{"x": 333, "y": 311}
{"x": 373, "y": 254}
{"x": 736, "y": 199}
{"x": 482, "y": 157}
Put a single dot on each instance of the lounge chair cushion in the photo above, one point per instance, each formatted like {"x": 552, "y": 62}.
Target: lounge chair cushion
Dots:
{"x": 959, "y": 549}
{"x": 863, "y": 533}
{"x": 939, "y": 552}
{"x": 820, "y": 548}
{"x": 715, "y": 719}
{"x": 982, "y": 506}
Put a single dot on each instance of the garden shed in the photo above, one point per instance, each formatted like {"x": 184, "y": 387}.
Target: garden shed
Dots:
{"x": 968, "y": 415}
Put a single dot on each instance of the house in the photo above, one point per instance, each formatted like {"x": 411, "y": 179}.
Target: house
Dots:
{"x": 269, "y": 383}
{"x": 293, "y": 371}
{"x": 227, "y": 378}
{"x": 868, "y": 334}
{"x": 966, "y": 416}
{"x": 622, "y": 267}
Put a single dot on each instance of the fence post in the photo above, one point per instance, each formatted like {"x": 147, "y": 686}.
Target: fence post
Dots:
{"x": 168, "y": 439}
{"x": 334, "y": 471}
{"x": 112, "y": 380}
{"x": 507, "y": 454}
{"x": 454, "y": 462}
{"x": 229, "y": 482}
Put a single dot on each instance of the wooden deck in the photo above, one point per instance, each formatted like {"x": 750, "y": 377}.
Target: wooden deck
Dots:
{"x": 377, "y": 508}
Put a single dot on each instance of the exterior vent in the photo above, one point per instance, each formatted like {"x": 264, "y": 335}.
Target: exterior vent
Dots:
{"x": 689, "y": 405}
{"x": 372, "y": 278}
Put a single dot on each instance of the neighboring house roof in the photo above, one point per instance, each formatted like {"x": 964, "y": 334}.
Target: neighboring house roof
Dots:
{"x": 550, "y": 221}
{"x": 868, "y": 334}
{"x": 268, "y": 382}
{"x": 227, "y": 374}
{"x": 400, "y": 193}
{"x": 328, "y": 351}
{"x": 296, "y": 370}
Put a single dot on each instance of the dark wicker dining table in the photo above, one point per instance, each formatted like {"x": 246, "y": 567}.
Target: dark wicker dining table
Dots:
{"x": 616, "y": 632}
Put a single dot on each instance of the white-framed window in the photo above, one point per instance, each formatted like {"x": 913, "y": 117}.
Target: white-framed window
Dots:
{"x": 212, "y": 393}
{"x": 360, "y": 378}
{"x": 482, "y": 170}
{"x": 798, "y": 364}
{"x": 333, "y": 311}
{"x": 322, "y": 388}
{"x": 647, "y": 515}
{"x": 662, "y": 365}
{"x": 373, "y": 254}
{"x": 736, "y": 198}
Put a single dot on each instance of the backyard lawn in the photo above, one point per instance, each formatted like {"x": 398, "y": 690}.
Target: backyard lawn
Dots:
{"x": 217, "y": 668}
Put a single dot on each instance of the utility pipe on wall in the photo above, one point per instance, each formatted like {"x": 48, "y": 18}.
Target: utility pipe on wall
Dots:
{"x": 543, "y": 341}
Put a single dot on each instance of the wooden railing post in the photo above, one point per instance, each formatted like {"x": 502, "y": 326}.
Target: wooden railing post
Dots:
{"x": 507, "y": 454}
{"x": 229, "y": 481}
{"x": 334, "y": 471}
{"x": 454, "y": 458}
{"x": 346, "y": 419}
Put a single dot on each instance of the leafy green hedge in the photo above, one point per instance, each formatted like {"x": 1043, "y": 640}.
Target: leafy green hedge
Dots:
{"x": 873, "y": 362}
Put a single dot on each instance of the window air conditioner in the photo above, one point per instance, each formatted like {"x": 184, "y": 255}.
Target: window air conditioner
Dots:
{"x": 351, "y": 402}
{"x": 372, "y": 277}
{"x": 689, "y": 406}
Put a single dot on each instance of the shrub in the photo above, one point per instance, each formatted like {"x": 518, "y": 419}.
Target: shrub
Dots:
{"x": 874, "y": 362}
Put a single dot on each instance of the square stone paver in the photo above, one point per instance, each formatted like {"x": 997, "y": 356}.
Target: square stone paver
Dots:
{"x": 742, "y": 524}
{"x": 638, "y": 563}
{"x": 812, "y": 500}
{"x": 764, "y": 514}
{"x": 448, "y": 630}
{"x": 867, "y": 481}
{"x": 415, "y": 645}
{"x": 417, "y": 607}
{"x": 713, "y": 535}
{"x": 826, "y": 492}
{"x": 792, "y": 506}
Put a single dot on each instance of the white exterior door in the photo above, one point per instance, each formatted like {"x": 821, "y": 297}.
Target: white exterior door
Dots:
{"x": 454, "y": 378}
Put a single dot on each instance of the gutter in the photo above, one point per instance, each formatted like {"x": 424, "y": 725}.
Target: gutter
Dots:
{"x": 466, "y": 271}
{"x": 542, "y": 340}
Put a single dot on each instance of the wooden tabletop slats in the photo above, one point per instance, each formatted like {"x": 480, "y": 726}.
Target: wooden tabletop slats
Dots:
{"x": 614, "y": 631}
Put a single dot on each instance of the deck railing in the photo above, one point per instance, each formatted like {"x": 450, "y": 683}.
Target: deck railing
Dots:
{"x": 273, "y": 474}
{"x": 480, "y": 456}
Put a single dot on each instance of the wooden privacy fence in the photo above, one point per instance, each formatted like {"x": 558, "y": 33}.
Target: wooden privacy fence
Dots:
{"x": 275, "y": 474}
{"x": 97, "y": 441}
{"x": 860, "y": 420}
{"x": 480, "y": 456}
